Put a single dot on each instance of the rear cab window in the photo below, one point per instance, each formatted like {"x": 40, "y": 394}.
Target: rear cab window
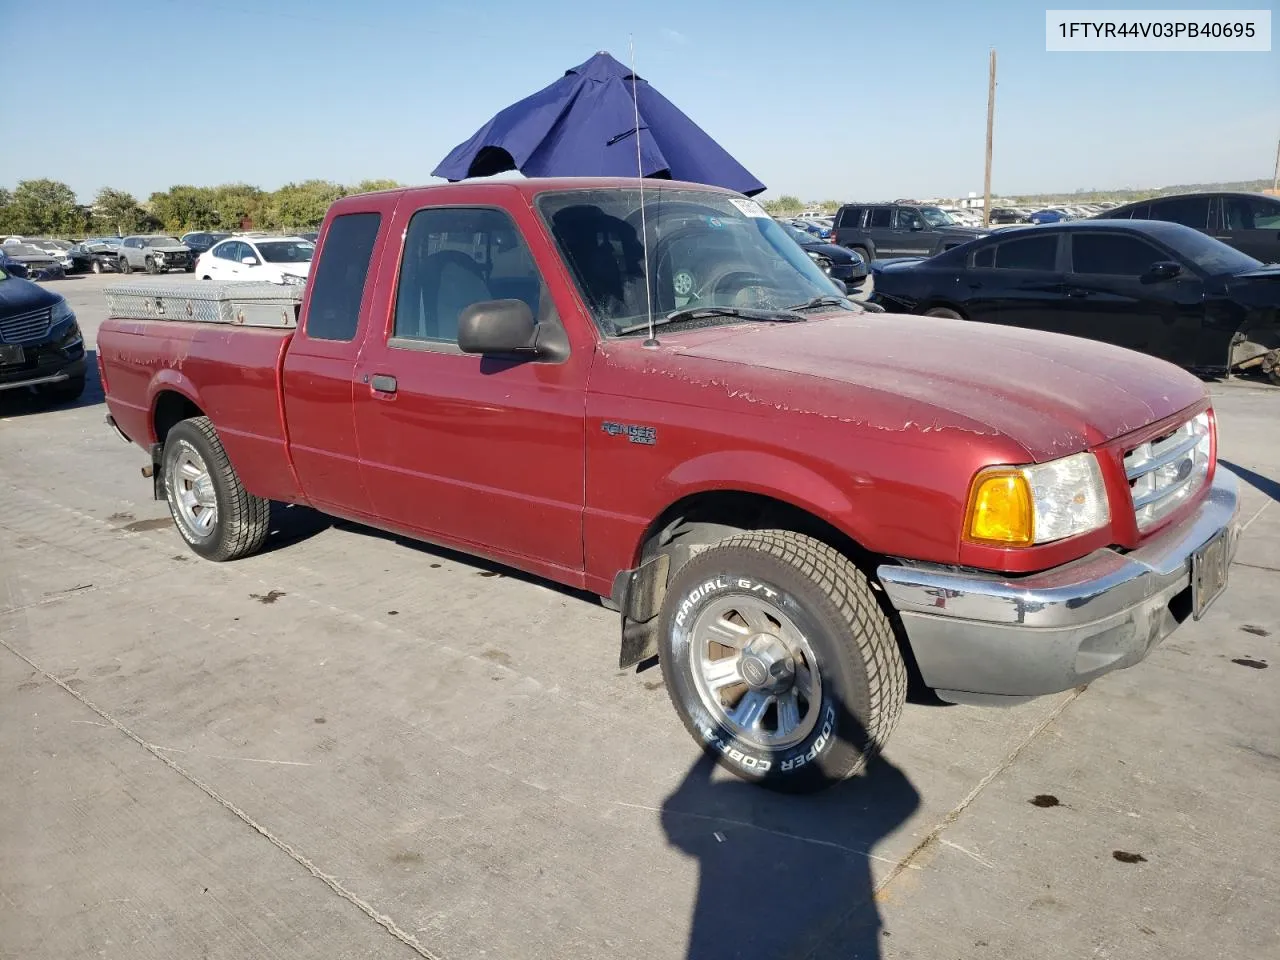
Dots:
{"x": 339, "y": 276}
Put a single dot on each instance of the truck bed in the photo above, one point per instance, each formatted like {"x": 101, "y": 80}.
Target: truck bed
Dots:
{"x": 230, "y": 372}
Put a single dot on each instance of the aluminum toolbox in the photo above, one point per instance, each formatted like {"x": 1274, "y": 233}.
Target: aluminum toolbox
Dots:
{"x": 241, "y": 304}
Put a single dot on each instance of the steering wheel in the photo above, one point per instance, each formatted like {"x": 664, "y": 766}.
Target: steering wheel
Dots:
{"x": 743, "y": 288}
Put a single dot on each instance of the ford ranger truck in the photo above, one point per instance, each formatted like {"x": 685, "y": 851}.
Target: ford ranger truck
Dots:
{"x": 793, "y": 502}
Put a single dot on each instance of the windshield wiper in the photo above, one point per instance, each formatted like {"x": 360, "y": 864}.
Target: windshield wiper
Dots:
{"x": 698, "y": 313}
{"x": 825, "y": 300}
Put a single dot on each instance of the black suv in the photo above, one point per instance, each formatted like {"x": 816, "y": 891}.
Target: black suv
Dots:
{"x": 1250, "y": 222}
{"x": 876, "y": 231}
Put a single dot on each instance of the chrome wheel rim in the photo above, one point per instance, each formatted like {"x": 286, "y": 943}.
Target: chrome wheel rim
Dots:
{"x": 192, "y": 493}
{"x": 682, "y": 283}
{"x": 755, "y": 671}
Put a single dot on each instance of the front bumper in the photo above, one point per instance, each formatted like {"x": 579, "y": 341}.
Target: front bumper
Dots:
{"x": 988, "y": 638}
{"x": 43, "y": 363}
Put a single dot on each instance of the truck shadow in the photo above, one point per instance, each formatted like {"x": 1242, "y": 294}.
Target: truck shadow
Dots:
{"x": 292, "y": 524}
{"x": 24, "y": 402}
{"x": 1256, "y": 480}
{"x": 787, "y": 876}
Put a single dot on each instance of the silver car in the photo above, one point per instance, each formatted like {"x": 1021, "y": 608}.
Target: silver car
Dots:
{"x": 155, "y": 254}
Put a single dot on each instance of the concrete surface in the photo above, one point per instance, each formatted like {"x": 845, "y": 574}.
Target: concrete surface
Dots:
{"x": 354, "y": 746}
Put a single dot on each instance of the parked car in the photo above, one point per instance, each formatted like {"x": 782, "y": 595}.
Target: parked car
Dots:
{"x": 1250, "y": 222}
{"x": 876, "y": 230}
{"x": 1049, "y": 215}
{"x": 14, "y": 268}
{"x": 312, "y": 236}
{"x": 200, "y": 241}
{"x": 1007, "y": 215}
{"x": 774, "y": 487}
{"x": 39, "y": 264}
{"x": 40, "y": 343}
{"x": 1160, "y": 288}
{"x": 837, "y": 262}
{"x": 155, "y": 254}
{"x": 265, "y": 259}
{"x": 72, "y": 257}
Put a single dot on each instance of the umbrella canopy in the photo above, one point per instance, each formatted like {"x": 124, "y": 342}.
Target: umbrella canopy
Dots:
{"x": 584, "y": 125}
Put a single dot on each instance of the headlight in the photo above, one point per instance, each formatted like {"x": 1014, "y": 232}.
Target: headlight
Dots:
{"x": 292, "y": 279}
{"x": 1023, "y": 506}
{"x": 158, "y": 254}
{"x": 61, "y": 313}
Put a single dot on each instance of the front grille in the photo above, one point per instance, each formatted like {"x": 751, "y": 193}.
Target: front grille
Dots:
{"x": 25, "y": 326}
{"x": 1168, "y": 471}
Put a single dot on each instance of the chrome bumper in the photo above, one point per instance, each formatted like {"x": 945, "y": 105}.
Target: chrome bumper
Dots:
{"x": 981, "y": 638}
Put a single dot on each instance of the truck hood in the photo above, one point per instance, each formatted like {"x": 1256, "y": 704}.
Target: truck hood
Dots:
{"x": 1054, "y": 395}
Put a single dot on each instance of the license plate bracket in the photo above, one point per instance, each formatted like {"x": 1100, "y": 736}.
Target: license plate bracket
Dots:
{"x": 1209, "y": 572}
{"x": 11, "y": 353}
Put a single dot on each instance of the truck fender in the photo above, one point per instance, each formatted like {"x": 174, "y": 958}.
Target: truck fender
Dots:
{"x": 170, "y": 380}
{"x": 638, "y": 593}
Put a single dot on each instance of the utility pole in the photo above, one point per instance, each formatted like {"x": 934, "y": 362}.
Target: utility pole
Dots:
{"x": 1275, "y": 181}
{"x": 991, "y": 116}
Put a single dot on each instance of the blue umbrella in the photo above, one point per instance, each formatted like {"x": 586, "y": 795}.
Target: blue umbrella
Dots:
{"x": 584, "y": 125}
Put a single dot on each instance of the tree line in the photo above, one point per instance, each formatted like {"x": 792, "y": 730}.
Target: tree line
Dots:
{"x": 49, "y": 208}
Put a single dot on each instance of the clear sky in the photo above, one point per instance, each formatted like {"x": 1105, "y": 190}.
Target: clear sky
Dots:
{"x": 839, "y": 100}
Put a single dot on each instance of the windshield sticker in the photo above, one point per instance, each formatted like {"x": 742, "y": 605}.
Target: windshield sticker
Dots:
{"x": 749, "y": 207}
{"x": 715, "y": 222}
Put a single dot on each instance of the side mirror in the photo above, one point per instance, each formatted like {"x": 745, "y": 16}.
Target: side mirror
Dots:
{"x": 497, "y": 326}
{"x": 1163, "y": 270}
{"x": 249, "y": 261}
{"x": 917, "y": 225}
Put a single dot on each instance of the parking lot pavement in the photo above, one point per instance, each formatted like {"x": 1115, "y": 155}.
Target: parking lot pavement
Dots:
{"x": 354, "y": 746}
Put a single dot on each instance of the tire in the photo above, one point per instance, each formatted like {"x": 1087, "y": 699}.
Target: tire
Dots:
{"x": 97, "y": 266}
{"x": 213, "y": 512}
{"x": 150, "y": 264}
{"x": 125, "y": 267}
{"x": 863, "y": 253}
{"x": 65, "y": 391}
{"x": 807, "y": 618}
{"x": 943, "y": 312}
{"x": 190, "y": 268}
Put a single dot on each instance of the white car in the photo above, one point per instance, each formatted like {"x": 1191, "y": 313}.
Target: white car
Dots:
{"x": 262, "y": 259}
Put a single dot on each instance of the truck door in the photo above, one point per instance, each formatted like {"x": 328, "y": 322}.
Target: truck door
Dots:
{"x": 319, "y": 368}
{"x": 484, "y": 452}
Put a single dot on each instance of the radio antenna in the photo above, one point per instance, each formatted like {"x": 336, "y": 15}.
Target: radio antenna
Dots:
{"x": 651, "y": 341}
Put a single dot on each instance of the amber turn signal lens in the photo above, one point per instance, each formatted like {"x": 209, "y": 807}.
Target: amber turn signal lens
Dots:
{"x": 1000, "y": 511}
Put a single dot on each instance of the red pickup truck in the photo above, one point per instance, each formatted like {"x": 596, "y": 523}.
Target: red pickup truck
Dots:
{"x": 794, "y": 502}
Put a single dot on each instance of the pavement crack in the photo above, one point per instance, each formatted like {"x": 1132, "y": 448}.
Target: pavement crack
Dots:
{"x": 329, "y": 881}
{"x": 1255, "y": 566}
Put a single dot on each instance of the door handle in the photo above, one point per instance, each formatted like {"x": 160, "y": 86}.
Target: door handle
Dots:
{"x": 383, "y": 383}
{"x": 1076, "y": 293}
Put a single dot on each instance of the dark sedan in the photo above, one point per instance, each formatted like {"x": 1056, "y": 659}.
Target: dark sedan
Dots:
{"x": 837, "y": 262}
{"x": 41, "y": 347}
{"x": 1160, "y": 288}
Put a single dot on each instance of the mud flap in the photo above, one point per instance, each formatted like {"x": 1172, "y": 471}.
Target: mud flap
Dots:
{"x": 638, "y": 595}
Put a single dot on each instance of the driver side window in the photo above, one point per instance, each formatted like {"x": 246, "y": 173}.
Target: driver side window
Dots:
{"x": 455, "y": 257}
{"x": 908, "y": 217}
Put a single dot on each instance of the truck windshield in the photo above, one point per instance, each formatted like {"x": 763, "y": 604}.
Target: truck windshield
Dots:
{"x": 706, "y": 249}
{"x": 936, "y": 217}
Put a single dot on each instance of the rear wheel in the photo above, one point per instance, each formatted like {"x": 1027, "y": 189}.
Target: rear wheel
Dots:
{"x": 943, "y": 312}
{"x": 779, "y": 660}
{"x": 218, "y": 518}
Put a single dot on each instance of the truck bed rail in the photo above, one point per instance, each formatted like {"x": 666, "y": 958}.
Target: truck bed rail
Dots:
{"x": 238, "y": 304}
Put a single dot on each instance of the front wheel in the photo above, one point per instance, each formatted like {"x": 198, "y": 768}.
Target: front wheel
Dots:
{"x": 779, "y": 660}
{"x": 96, "y": 267}
{"x": 218, "y": 518}
{"x": 125, "y": 267}
{"x": 150, "y": 264}
{"x": 946, "y": 312}
{"x": 1271, "y": 366}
